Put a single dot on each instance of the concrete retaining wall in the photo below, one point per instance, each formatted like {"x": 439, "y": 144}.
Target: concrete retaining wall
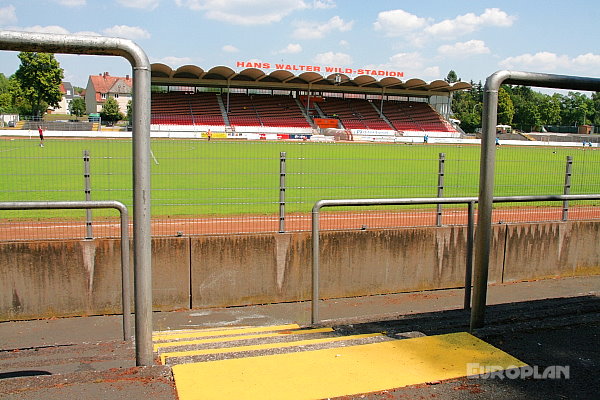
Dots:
{"x": 67, "y": 278}
{"x": 538, "y": 251}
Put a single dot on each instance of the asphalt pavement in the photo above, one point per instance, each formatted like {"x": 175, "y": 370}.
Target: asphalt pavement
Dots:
{"x": 548, "y": 324}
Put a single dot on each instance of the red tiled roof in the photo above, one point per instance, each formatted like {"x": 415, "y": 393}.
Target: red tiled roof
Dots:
{"x": 103, "y": 82}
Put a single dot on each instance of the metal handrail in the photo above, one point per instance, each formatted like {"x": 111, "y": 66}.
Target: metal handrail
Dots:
{"x": 487, "y": 161}
{"x": 470, "y": 201}
{"x": 70, "y": 205}
{"x": 142, "y": 242}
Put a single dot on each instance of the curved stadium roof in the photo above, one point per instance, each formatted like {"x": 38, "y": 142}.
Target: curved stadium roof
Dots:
{"x": 191, "y": 75}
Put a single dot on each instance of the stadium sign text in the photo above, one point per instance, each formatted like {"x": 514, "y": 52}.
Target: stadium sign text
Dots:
{"x": 320, "y": 69}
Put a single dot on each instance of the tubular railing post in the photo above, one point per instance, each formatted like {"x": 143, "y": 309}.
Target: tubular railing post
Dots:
{"x": 88, "y": 194}
{"x": 125, "y": 274}
{"x": 73, "y": 205}
{"x": 142, "y": 244}
{"x": 282, "y": 160}
{"x": 567, "y": 188}
{"x": 440, "y": 187}
{"x": 142, "y": 229}
{"x": 487, "y": 166}
{"x": 314, "y": 316}
{"x": 486, "y": 190}
{"x": 469, "y": 280}
{"x": 469, "y": 267}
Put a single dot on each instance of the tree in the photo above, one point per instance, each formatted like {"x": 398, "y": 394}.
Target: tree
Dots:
{"x": 506, "y": 108}
{"x": 130, "y": 112}
{"x": 550, "y": 109}
{"x": 110, "y": 111}
{"x": 527, "y": 111}
{"x": 10, "y": 95}
{"x": 77, "y": 106}
{"x": 452, "y": 77}
{"x": 40, "y": 76}
{"x": 467, "y": 105}
{"x": 5, "y": 95}
{"x": 596, "y": 108}
{"x": 577, "y": 109}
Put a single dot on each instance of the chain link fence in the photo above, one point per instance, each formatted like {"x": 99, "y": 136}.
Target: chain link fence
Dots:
{"x": 232, "y": 187}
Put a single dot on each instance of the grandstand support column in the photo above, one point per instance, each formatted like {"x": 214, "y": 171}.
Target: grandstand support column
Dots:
{"x": 228, "y": 91}
{"x": 448, "y": 108}
{"x": 223, "y": 110}
{"x": 107, "y": 46}
{"x": 308, "y": 101}
{"x": 487, "y": 166}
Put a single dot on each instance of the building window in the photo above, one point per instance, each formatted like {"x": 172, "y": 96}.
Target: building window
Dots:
{"x": 103, "y": 95}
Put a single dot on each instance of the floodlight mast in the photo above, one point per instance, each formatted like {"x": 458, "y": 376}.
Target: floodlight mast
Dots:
{"x": 487, "y": 165}
{"x": 100, "y": 45}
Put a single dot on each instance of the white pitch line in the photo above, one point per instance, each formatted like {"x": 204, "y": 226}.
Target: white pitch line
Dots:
{"x": 16, "y": 148}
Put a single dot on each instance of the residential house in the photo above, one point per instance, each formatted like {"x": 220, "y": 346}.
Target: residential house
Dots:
{"x": 68, "y": 94}
{"x": 101, "y": 87}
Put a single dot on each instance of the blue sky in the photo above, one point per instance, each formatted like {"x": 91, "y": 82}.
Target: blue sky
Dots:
{"x": 422, "y": 39}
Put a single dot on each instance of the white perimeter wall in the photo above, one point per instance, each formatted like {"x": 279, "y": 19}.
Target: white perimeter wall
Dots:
{"x": 271, "y": 134}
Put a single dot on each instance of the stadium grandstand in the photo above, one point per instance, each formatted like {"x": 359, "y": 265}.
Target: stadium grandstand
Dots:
{"x": 253, "y": 103}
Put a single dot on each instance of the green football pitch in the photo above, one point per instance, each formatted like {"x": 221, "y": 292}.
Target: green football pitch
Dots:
{"x": 196, "y": 177}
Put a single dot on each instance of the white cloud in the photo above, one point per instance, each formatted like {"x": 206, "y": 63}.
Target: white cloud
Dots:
{"x": 47, "y": 29}
{"x": 398, "y": 22}
{"x": 331, "y": 58}
{"x": 497, "y": 17}
{"x": 244, "y": 12}
{"x": 323, "y": 4}
{"x": 174, "y": 62}
{"x": 230, "y": 49}
{"x": 542, "y": 61}
{"x": 587, "y": 61}
{"x": 405, "y": 60}
{"x": 123, "y": 31}
{"x": 8, "y": 15}
{"x": 55, "y": 29}
{"x": 545, "y": 61}
{"x": 141, "y": 4}
{"x": 127, "y": 32}
{"x": 412, "y": 64}
{"x": 292, "y": 48}
{"x": 464, "y": 48}
{"x": 432, "y": 72}
{"x": 469, "y": 23}
{"x": 71, "y": 3}
{"x": 314, "y": 30}
{"x": 417, "y": 30}
{"x": 344, "y": 43}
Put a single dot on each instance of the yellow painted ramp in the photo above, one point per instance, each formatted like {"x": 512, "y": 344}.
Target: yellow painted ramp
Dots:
{"x": 342, "y": 371}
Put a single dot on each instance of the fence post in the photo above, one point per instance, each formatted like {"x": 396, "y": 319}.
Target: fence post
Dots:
{"x": 567, "y": 189}
{"x": 88, "y": 194}
{"x": 282, "y": 160}
{"x": 440, "y": 188}
{"x": 469, "y": 267}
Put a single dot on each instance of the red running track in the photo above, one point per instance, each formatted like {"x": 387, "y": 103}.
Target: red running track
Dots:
{"x": 189, "y": 226}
